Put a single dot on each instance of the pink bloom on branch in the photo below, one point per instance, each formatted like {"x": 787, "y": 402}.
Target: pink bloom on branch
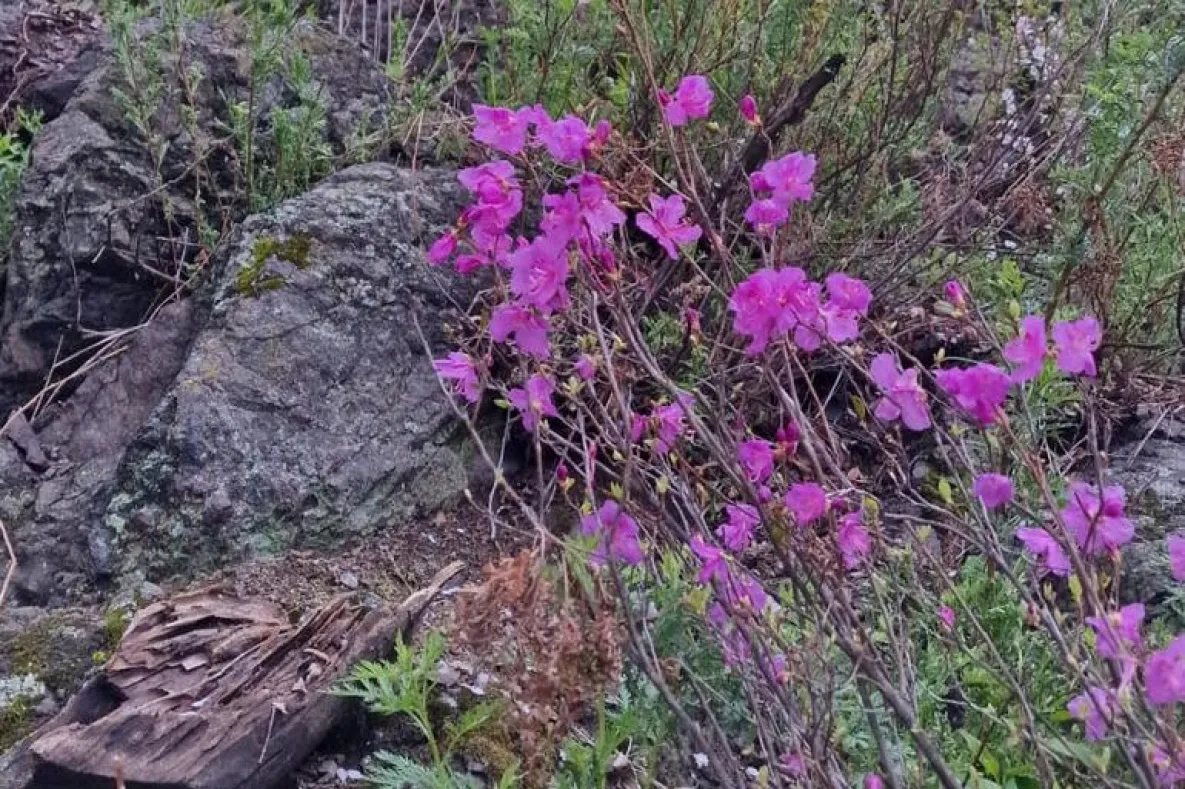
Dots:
{"x": 618, "y": 534}
{"x": 563, "y": 220}
{"x": 1051, "y": 558}
{"x": 528, "y": 329}
{"x": 585, "y": 367}
{"x": 502, "y": 129}
{"x": 956, "y": 294}
{"x": 766, "y": 216}
{"x": 946, "y": 615}
{"x": 567, "y": 139}
{"x": 692, "y": 99}
{"x": 1076, "y": 342}
{"x": 737, "y": 532}
{"x": 793, "y": 765}
{"x": 807, "y": 502}
{"x": 665, "y": 223}
{"x": 874, "y": 781}
{"x": 1095, "y": 708}
{"x": 459, "y": 368}
{"x": 443, "y": 248}
{"x": 1176, "y": 546}
{"x": 788, "y": 437}
{"x": 1027, "y": 352}
{"x": 1118, "y": 633}
{"x": 757, "y": 458}
{"x": 539, "y": 274}
{"x": 853, "y": 539}
{"x": 1164, "y": 674}
{"x": 979, "y": 390}
{"x": 491, "y": 182}
{"x": 1098, "y": 524}
{"x": 748, "y": 109}
{"x": 713, "y": 565}
{"x": 743, "y": 592}
{"x": 668, "y": 422}
{"x": 534, "y": 401}
{"x": 787, "y": 179}
{"x": 599, "y": 212}
{"x": 849, "y": 299}
{"x": 466, "y": 264}
{"x": 902, "y": 396}
{"x": 993, "y": 490}
{"x": 772, "y": 303}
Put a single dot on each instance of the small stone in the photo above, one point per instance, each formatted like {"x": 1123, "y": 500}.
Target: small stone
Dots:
{"x": 348, "y": 580}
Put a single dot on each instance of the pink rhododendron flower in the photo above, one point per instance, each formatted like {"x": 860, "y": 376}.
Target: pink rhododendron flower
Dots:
{"x": 1027, "y": 352}
{"x": 668, "y": 422}
{"x": 665, "y": 223}
{"x": 853, "y": 539}
{"x": 1164, "y": 674}
{"x": 993, "y": 490}
{"x": 566, "y": 139}
{"x": 459, "y": 368}
{"x": 1118, "y": 633}
{"x": 618, "y": 533}
{"x": 775, "y": 668}
{"x": 979, "y": 390}
{"x": 946, "y": 615}
{"x": 807, "y": 502}
{"x": 527, "y": 327}
{"x": 1095, "y": 708}
{"x": 492, "y": 182}
{"x": 539, "y": 274}
{"x": 692, "y": 99}
{"x": 787, "y": 437}
{"x": 748, "y": 108}
{"x": 766, "y": 216}
{"x": 772, "y": 303}
{"x": 874, "y": 781}
{"x": 793, "y": 765}
{"x": 586, "y": 368}
{"x": 467, "y": 264}
{"x": 502, "y": 129}
{"x": 601, "y": 133}
{"x": 443, "y": 248}
{"x": 1052, "y": 559}
{"x": 599, "y": 212}
{"x": 1076, "y": 342}
{"x": 757, "y": 458}
{"x": 788, "y": 180}
{"x": 533, "y": 401}
{"x": 1170, "y": 770}
{"x": 733, "y": 643}
{"x": 902, "y": 396}
{"x": 849, "y": 299}
{"x": 713, "y": 565}
{"x": 637, "y": 427}
{"x": 743, "y": 592}
{"x": 1098, "y": 524}
{"x": 563, "y": 220}
{"x": 956, "y": 294}
{"x": 737, "y": 532}
{"x": 1176, "y": 546}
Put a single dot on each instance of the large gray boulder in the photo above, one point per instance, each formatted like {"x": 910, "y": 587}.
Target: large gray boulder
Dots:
{"x": 307, "y": 410}
{"x": 1151, "y": 467}
{"x": 100, "y": 232}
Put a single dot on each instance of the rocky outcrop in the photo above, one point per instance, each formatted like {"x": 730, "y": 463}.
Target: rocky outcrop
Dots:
{"x": 303, "y": 411}
{"x": 1151, "y": 468}
{"x": 102, "y": 226}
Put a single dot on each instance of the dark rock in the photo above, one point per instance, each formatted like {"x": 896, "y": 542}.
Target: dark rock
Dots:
{"x": 52, "y": 516}
{"x": 307, "y": 410}
{"x": 97, "y": 239}
{"x": 1151, "y": 468}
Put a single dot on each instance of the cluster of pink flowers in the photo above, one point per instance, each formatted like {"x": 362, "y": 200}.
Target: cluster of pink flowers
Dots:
{"x": 1095, "y": 520}
{"x": 666, "y": 423}
{"x": 1074, "y": 344}
{"x": 617, "y": 534}
{"x": 776, "y": 187}
{"x": 773, "y": 303}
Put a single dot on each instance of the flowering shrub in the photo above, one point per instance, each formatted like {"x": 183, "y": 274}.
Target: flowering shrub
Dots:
{"x": 815, "y": 576}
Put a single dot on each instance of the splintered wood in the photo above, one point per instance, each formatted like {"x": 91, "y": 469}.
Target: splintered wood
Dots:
{"x": 209, "y": 691}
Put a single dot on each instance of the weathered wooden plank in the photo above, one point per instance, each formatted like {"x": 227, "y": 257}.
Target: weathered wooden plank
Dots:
{"x": 209, "y": 691}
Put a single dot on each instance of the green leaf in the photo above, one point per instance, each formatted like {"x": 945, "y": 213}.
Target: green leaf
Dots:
{"x": 944, "y": 491}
